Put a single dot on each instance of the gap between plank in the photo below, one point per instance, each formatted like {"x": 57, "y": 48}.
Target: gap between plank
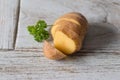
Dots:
{"x": 17, "y": 22}
{"x": 81, "y": 51}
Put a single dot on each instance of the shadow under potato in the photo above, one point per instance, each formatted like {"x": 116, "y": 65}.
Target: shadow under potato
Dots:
{"x": 100, "y": 36}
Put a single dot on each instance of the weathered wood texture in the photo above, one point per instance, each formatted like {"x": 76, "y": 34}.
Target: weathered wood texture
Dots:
{"x": 8, "y": 23}
{"x": 17, "y": 65}
{"x": 99, "y": 59}
{"x": 103, "y": 17}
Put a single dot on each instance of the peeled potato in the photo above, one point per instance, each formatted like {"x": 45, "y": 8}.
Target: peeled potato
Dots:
{"x": 68, "y": 41}
{"x": 51, "y": 52}
{"x": 68, "y": 33}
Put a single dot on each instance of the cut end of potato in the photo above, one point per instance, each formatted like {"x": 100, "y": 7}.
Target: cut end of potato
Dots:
{"x": 51, "y": 52}
{"x": 64, "y": 43}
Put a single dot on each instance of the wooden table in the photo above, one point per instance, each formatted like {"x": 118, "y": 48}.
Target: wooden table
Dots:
{"x": 21, "y": 58}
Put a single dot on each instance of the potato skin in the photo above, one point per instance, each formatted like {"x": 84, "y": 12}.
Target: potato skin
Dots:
{"x": 74, "y": 25}
{"x": 78, "y": 17}
{"x": 75, "y": 16}
{"x": 69, "y": 25}
{"x": 51, "y": 52}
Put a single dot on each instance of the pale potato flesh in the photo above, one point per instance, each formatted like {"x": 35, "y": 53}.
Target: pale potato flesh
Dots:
{"x": 54, "y": 29}
{"x": 64, "y": 43}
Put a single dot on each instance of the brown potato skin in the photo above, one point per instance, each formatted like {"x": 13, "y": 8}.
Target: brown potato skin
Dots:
{"x": 74, "y": 31}
{"x": 51, "y": 52}
{"x": 77, "y": 17}
{"x": 69, "y": 25}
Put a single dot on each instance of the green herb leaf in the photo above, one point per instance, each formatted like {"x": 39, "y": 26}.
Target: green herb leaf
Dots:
{"x": 38, "y": 31}
{"x": 31, "y": 29}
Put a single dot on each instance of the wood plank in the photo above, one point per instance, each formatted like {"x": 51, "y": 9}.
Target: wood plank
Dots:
{"x": 17, "y": 65}
{"x": 103, "y": 32}
{"x": 8, "y": 23}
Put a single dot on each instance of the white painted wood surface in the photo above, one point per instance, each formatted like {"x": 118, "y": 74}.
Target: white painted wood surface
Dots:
{"x": 98, "y": 60}
{"x": 33, "y": 66}
{"x": 103, "y": 17}
{"x": 8, "y": 23}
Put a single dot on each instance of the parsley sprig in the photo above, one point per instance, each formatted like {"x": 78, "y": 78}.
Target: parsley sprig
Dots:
{"x": 38, "y": 31}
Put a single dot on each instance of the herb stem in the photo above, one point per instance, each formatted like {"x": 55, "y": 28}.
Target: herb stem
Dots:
{"x": 49, "y": 25}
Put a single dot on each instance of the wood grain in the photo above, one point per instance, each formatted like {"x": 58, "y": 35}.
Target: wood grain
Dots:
{"x": 17, "y": 65}
{"x": 8, "y": 23}
{"x": 98, "y": 60}
{"x": 103, "y": 32}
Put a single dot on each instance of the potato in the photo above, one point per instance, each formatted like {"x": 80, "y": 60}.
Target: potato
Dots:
{"x": 68, "y": 32}
{"x": 51, "y": 52}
